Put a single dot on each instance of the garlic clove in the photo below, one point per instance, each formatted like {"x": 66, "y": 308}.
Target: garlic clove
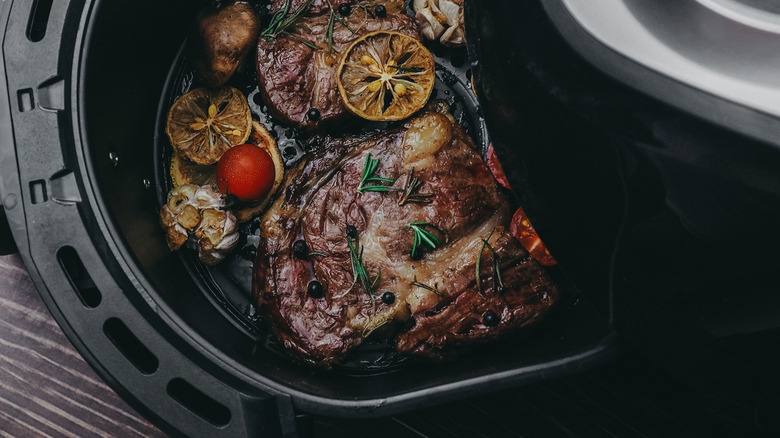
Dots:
{"x": 441, "y": 20}
{"x": 429, "y": 25}
{"x": 451, "y": 11}
{"x": 189, "y": 217}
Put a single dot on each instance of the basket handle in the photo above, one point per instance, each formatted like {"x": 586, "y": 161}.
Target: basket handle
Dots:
{"x": 89, "y": 288}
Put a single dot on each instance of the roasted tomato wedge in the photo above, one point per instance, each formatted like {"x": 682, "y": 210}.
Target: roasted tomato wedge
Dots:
{"x": 247, "y": 172}
{"x": 495, "y": 167}
{"x": 523, "y": 231}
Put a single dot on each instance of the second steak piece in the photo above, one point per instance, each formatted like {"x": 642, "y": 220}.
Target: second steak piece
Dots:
{"x": 296, "y": 69}
{"x": 331, "y": 248}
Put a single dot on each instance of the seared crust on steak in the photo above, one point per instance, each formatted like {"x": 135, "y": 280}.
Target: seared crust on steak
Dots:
{"x": 295, "y": 78}
{"x": 320, "y": 199}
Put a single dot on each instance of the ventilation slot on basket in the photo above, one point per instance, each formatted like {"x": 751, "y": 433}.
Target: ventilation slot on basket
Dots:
{"x": 38, "y": 191}
{"x": 78, "y": 277}
{"x": 39, "y": 18}
{"x": 198, "y": 402}
{"x": 130, "y": 346}
{"x": 26, "y": 100}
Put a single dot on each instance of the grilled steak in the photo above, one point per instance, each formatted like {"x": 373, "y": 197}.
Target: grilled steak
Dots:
{"x": 435, "y": 292}
{"x": 295, "y": 77}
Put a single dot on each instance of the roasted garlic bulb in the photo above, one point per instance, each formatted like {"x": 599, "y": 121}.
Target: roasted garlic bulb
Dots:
{"x": 197, "y": 211}
{"x": 441, "y": 20}
{"x": 217, "y": 235}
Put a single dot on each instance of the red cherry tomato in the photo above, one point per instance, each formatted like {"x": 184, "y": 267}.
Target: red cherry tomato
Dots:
{"x": 523, "y": 231}
{"x": 246, "y": 171}
{"x": 495, "y": 167}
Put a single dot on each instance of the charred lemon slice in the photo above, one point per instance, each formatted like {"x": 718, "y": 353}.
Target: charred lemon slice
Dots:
{"x": 386, "y": 76}
{"x": 184, "y": 171}
{"x": 204, "y": 123}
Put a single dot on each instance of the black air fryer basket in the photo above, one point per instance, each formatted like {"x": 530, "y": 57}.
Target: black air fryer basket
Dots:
{"x": 82, "y": 153}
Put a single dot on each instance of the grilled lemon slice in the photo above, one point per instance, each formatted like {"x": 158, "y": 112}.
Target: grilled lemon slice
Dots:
{"x": 386, "y": 76}
{"x": 204, "y": 123}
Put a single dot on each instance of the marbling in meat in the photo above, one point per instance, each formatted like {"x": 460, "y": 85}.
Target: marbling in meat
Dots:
{"x": 295, "y": 77}
{"x": 306, "y": 237}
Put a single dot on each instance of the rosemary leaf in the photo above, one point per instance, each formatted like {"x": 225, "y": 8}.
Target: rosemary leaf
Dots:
{"x": 410, "y": 191}
{"x": 298, "y": 13}
{"x": 374, "y": 328}
{"x": 369, "y": 168}
{"x": 359, "y": 273}
{"x": 280, "y": 24}
{"x": 498, "y": 282}
{"x": 302, "y": 41}
{"x": 374, "y": 189}
{"x": 422, "y": 236}
{"x": 344, "y": 22}
{"x": 479, "y": 260}
{"x": 434, "y": 289}
{"x": 277, "y": 19}
{"x": 407, "y": 69}
{"x": 329, "y": 32}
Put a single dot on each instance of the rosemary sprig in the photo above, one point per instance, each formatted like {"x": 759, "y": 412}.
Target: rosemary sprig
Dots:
{"x": 341, "y": 20}
{"x": 434, "y": 289}
{"x": 331, "y": 26}
{"x": 410, "y": 191}
{"x": 280, "y": 21}
{"x": 422, "y": 236}
{"x": 329, "y": 31}
{"x": 368, "y": 177}
{"x": 498, "y": 282}
{"x": 359, "y": 273}
{"x": 277, "y": 18}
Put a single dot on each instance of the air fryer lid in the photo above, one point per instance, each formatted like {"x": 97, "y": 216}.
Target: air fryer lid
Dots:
{"x": 671, "y": 185}
{"x": 84, "y": 81}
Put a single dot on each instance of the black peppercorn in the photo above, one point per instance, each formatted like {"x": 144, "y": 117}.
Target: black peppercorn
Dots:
{"x": 315, "y": 289}
{"x": 301, "y": 249}
{"x": 345, "y": 9}
{"x": 388, "y": 298}
{"x": 380, "y": 11}
{"x": 490, "y": 319}
{"x": 313, "y": 114}
{"x": 352, "y": 232}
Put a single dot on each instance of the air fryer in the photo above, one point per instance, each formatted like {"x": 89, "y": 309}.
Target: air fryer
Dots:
{"x": 613, "y": 179}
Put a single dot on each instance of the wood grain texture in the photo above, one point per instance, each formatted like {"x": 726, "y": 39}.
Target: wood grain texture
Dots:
{"x": 46, "y": 388}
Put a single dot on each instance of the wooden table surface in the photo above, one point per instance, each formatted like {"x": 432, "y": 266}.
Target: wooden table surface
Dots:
{"x": 47, "y": 389}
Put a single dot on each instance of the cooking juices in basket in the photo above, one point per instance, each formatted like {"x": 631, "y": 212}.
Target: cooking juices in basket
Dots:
{"x": 228, "y": 283}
